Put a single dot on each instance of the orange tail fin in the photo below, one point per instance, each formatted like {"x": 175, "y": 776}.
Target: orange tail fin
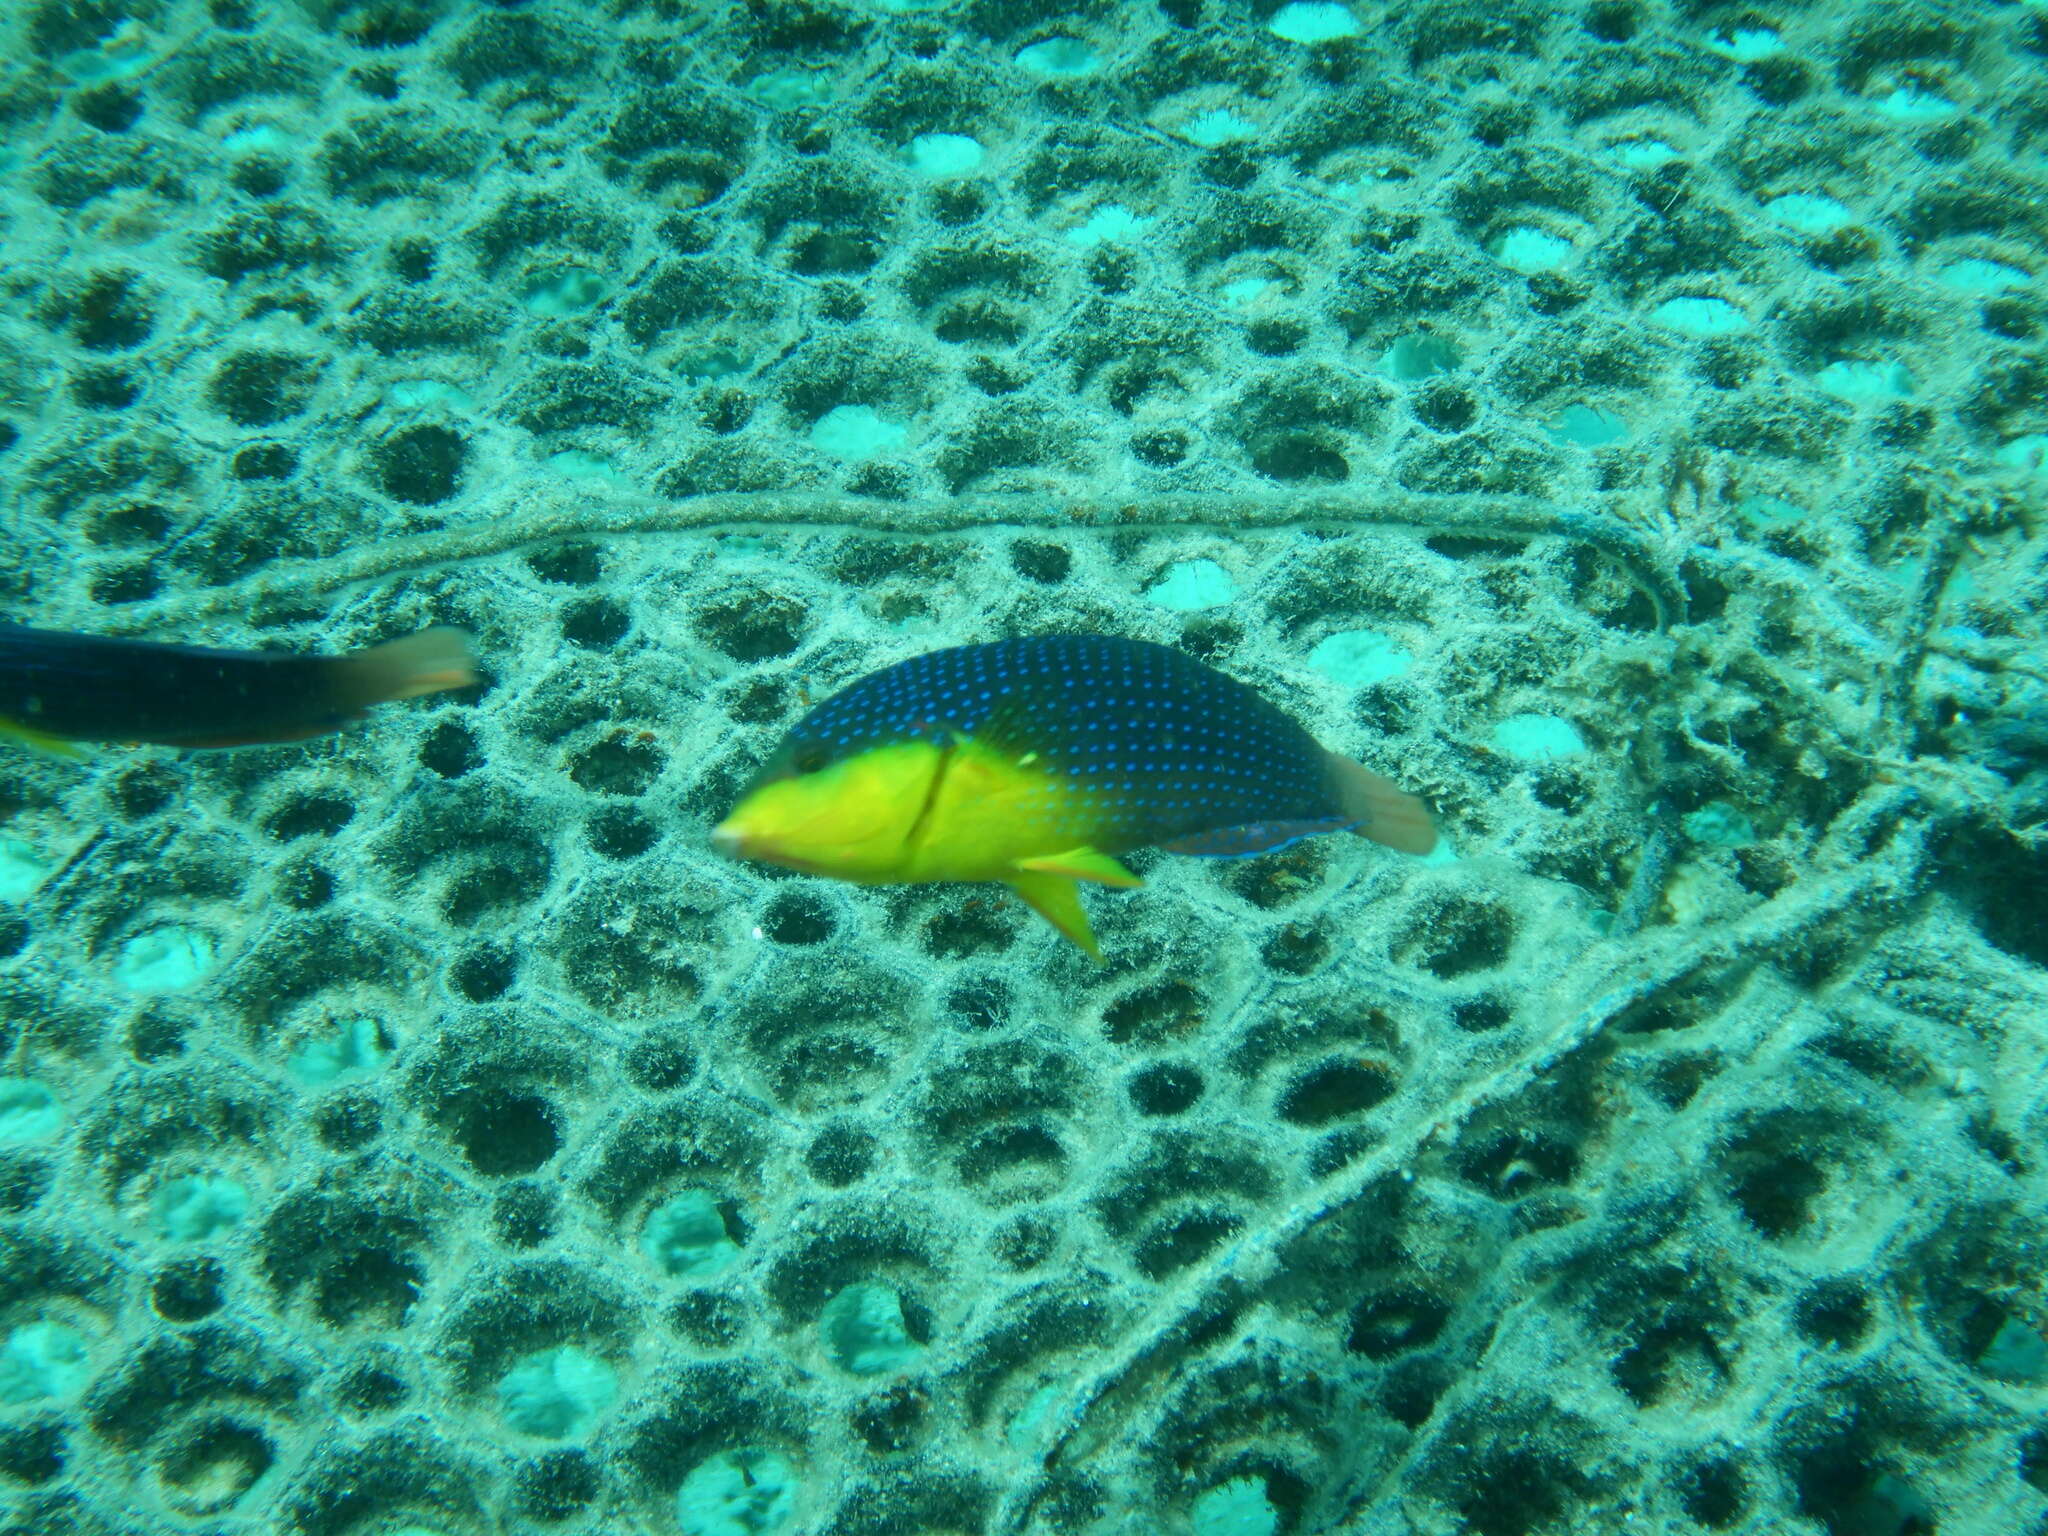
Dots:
{"x": 1385, "y": 812}
{"x": 429, "y": 662}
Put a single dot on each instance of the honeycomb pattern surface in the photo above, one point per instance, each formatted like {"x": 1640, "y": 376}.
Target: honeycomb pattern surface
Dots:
{"x": 1620, "y": 421}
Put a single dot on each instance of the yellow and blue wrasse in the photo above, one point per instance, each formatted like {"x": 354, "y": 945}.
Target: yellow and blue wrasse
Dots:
{"x": 57, "y": 688}
{"x": 1035, "y": 762}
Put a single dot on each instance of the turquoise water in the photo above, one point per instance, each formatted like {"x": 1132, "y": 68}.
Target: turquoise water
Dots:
{"x": 1620, "y": 424}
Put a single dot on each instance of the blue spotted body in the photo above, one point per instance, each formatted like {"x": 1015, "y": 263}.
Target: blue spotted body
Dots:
{"x": 1163, "y": 749}
{"x": 1036, "y": 761}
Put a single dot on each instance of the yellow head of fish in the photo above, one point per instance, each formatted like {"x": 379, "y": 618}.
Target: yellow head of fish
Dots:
{"x": 853, "y": 819}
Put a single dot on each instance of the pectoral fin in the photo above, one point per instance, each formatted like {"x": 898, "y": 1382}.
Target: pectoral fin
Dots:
{"x": 1057, "y": 899}
{"x": 1083, "y": 864}
{"x": 39, "y": 741}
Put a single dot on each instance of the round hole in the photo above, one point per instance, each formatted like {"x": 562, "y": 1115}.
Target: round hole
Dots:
{"x": 596, "y": 623}
{"x": 1334, "y": 1090}
{"x": 661, "y": 1059}
{"x": 840, "y": 1155}
{"x": 621, "y": 832}
{"x": 187, "y": 1290}
{"x": 509, "y": 1136}
{"x": 1165, "y": 1088}
{"x": 524, "y": 1215}
{"x": 797, "y": 917}
{"x": 486, "y": 972}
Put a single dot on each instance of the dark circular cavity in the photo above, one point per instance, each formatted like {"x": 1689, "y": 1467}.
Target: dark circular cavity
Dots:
{"x": 558, "y": 1484}
{"x": 1046, "y": 564}
{"x": 1024, "y": 1241}
{"x": 523, "y": 1215}
{"x": 1445, "y": 407}
{"x": 574, "y": 564}
{"x": 621, "y": 832}
{"x": 596, "y": 623}
{"x": 1165, "y": 1088}
{"x": 421, "y": 465}
{"x": 485, "y": 972}
{"x": 369, "y": 1389}
{"x": 508, "y": 1135}
{"x": 450, "y": 750}
{"x": 840, "y": 1155}
{"x": 661, "y": 1059}
{"x": 797, "y": 917}
{"x": 1161, "y": 447}
{"x": 1333, "y": 1090}
{"x": 348, "y": 1122}
{"x": 265, "y": 461}
{"x": 1276, "y": 337}
{"x": 187, "y": 1290}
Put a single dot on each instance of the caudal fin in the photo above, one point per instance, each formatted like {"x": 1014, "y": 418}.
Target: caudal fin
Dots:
{"x": 429, "y": 662}
{"x": 1383, "y": 811}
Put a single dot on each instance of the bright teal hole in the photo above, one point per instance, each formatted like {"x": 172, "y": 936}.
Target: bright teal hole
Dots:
{"x": 746, "y": 1492}
{"x": 167, "y": 959}
{"x": 1236, "y": 1508}
{"x": 863, "y": 1330}
{"x": 1112, "y": 221}
{"x": 1312, "y": 23}
{"x": 1909, "y": 104}
{"x": 1865, "y": 381}
{"x": 939, "y": 155}
{"x": 1218, "y": 126}
{"x": 21, "y": 869}
{"x": 1588, "y": 426}
{"x": 350, "y": 1048}
{"x": 1717, "y": 824}
{"x": 856, "y": 432}
{"x": 1529, "y": 250}
{"x": 28, "y": 1110}
{"x": 1973, "y": 274}
{"x": 557, "y": 1393}
{"x": 560, "y": 291}
{"x": 1538, "y": 738}
{"x": 1357, "y": 657}
{"x": 195, "y": 1207}
{"x": 1700, "y": 316}
{"x": 1420, "y": 356}
{"x": 1193, "y": 585}
{"x": 1809, "y": 212}
{"x": 1060, "y": 56}
{"x": 42, "y": 1360}
{"x": 686, "y": 1238}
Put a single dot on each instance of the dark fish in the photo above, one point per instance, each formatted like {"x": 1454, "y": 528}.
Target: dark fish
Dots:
{"x": 57, "y": 687}
{"x": 1035, "y": 762}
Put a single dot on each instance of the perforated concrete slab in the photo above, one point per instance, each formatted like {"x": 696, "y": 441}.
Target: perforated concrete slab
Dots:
{"x": 1619, "y": 422}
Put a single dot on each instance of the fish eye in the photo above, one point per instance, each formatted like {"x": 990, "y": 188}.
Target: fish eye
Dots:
{"x": 809, "y": 757}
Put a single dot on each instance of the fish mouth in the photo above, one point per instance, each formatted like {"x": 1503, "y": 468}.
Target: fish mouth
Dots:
{"x": 730, "y": 841}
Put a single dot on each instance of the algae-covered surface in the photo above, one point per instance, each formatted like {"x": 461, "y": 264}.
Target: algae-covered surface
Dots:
{"x": 1623, "y": 423}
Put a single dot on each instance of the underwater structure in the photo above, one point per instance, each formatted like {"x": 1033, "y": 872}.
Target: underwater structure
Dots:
{"x": 1620, "y": 423}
